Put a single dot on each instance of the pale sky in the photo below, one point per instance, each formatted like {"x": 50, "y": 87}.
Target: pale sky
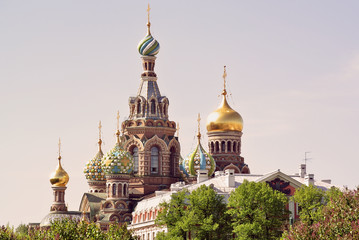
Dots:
{"x": 293, "y": 69}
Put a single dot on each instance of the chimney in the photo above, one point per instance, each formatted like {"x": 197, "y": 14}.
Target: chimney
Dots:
{"x": 202, "y": 175}
{"x": 303, "y": 170}
{"x": 229, "y": 178}
{"x": 309, "y": 179}
{"x": 327, "y": 181}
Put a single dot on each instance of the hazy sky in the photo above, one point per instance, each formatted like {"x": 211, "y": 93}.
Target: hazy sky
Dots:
{"x": 293, "y": 69}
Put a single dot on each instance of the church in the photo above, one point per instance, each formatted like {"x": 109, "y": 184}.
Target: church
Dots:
{"x": 145, "y": 166}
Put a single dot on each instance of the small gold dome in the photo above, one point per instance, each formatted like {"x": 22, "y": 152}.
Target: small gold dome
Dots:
{"x": 224, "y": 118}
{"x": 59, "y": 178}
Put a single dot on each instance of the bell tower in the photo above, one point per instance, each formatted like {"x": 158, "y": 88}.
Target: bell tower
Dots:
{"x": 224, "y": 129}
{"x": 149, "y": 132}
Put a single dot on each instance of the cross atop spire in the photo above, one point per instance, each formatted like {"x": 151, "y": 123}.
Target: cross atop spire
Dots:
{"x": 199, "y": 126}
{"x": 118, "y": 126}
{"x": 177, "y": 129}
{"x": 224, "y": 81}
{"x": 148, "y": 19}
{"x": 99, "y": 130}
{"x": 59, "y": 144}
{"x": 99, "y": 135}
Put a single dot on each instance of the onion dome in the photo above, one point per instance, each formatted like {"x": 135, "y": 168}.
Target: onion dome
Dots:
{"x": 93, "y": 169}
{"x": 148, "y": 46}
{"x": 59, "y": 177}
{"x": 117, "y": 160}
{"x": 199, "y": 159}
{"x": 224, "y": 118}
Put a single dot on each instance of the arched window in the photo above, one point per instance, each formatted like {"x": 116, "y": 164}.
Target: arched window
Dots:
{"x": 153, "y": 106}
{"x": 172, "y": 161}
{"x": 154, "y": 160}
{"x": 229, "y": 147}
{"x": 234, "y": 147}
{"x": 114, "y": 190}
{"x": 108, "y": 189}
{"x": 139, "y": 107}
{"x": 120, "y": 190}
{"x": 135, "y": 159}
{"x": 217, "y": 147}
{"x": 165, "y": 109}
{"x": 124, "y": 190}
{"x": 223, "y": 146}
{"x": 212, "y": 147}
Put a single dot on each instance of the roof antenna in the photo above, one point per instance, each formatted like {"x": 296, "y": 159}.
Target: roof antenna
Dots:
{"x": 306, "y": 158}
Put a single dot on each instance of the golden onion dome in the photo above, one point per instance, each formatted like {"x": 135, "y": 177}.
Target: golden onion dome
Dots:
{"x": 224, "y": 118}
{"x": 59, "y": 177}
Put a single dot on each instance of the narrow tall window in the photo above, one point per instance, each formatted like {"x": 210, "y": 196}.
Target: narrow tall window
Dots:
{"x": 223, "y": 146}
{"x": 114, "y": 190}
{"x": 153, "y": 106}
{"x": 125, "y": 190}
{"x": 120, "y": 190}
{"x": 172, "y": 161}
{"x": 229, "y": 147}
{"x": 135, "y": 160}
{"x": 139, "y": 107}
{"x": 234, "y": 147}
{"x": 217, "y": 147}
{"x": 154, "y": 160}
{"x": 212, "y": 147}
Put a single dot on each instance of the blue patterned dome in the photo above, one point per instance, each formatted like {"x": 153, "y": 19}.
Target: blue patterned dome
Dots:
{"x": 148, "y": 46}
{"x": 93, "y": 169}
{"x": 199, "y": 159}
{"x": 117, "y": 160}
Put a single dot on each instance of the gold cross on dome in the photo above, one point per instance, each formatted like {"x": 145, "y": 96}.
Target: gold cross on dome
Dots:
{"x": 148, "y": 13}
{"x": 177, "y": 129}
{"x": 199, "y": 123}
{"x": 118, "y": 120}
{"x": 224, "y": 77}
{"x": 59, "y": 144}
{"x": 99, "y": 130}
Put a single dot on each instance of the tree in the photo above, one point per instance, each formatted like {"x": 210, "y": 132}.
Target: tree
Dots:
{"x": 201, "y": 213}
{"x": 258, "y": 211}
{"x": 310, "y": 200}
{"x": 171, "y": 215}
{"x": 339, "y": 220}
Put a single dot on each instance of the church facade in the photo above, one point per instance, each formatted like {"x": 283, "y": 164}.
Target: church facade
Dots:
{"x": 145, "y": 166}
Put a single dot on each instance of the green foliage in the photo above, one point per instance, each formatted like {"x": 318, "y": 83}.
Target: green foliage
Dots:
{"x": 68, "y": 229}
{"x": 258, "y": 211}
{"x": 201, "y": 213}
{"x": 339, "y": 220}
{"x": 310, "y": 200}
{"x": 22, "y": 230}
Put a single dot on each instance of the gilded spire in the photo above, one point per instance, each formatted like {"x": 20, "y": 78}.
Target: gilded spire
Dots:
{"x": 99, "y": 136}
{"x": 118, "y": 127}
{"x": 177, "y": 129}
{"x": 148, "y": 20}
{"x": 59, "y": 177}
{"x": 59, "y": 144}
{"x": 199, "y": 127}
{"x": 224, "y": 92}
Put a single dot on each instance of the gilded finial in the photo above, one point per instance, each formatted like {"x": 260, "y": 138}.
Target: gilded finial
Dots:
{"x": 177, "y": 129}
{"x": 59, "y": 144}
{"x": 99, "y": 135}
{"x": 118, "y": 126}
{"x": 224, "y": 81}
{"x": 148, "y": 20}
{"x": 199, "y": 127}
